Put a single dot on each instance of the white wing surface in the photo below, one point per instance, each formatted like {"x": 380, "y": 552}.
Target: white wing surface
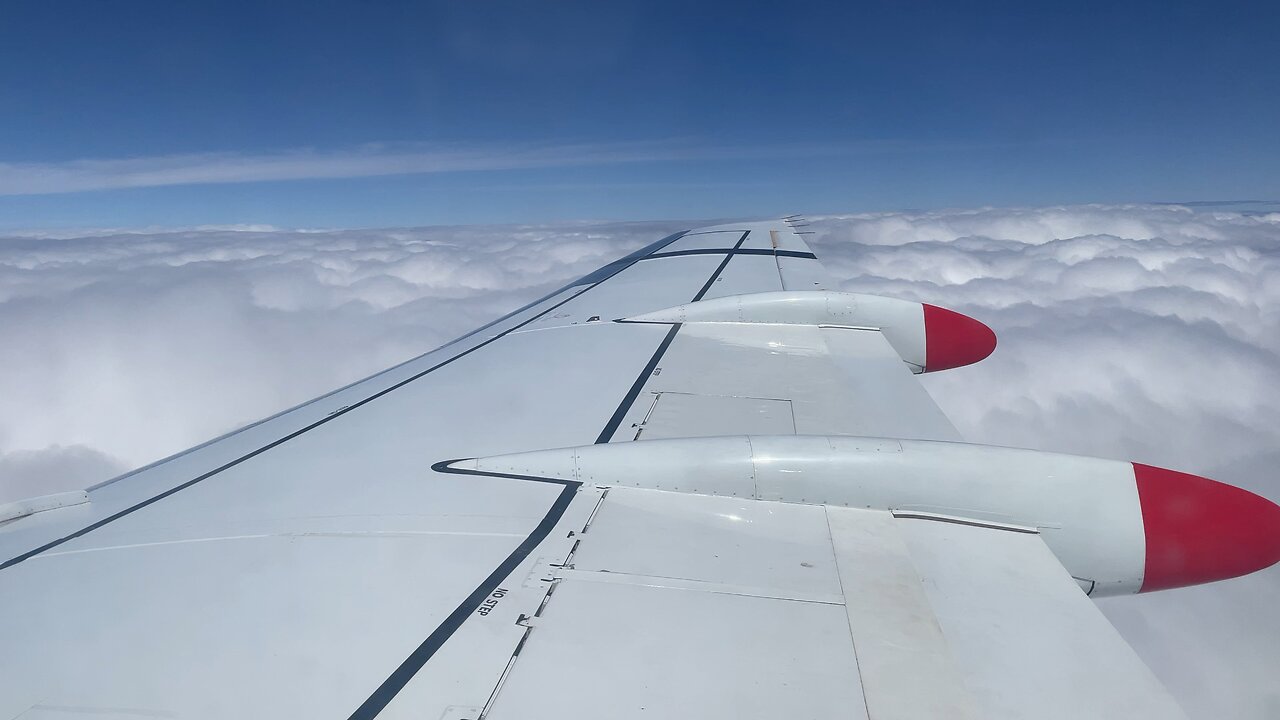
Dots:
{"x": 336, "y": 561}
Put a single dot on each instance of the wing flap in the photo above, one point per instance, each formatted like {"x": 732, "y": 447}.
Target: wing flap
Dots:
{"x": 889, "y": 399}
{"x": 907, "y": 669}
{"x": 1029, "y": 642}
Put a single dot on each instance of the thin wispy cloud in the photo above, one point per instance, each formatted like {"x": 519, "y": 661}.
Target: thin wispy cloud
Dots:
{"x": 303, "y": 164}
{"x": 380, "y": 160}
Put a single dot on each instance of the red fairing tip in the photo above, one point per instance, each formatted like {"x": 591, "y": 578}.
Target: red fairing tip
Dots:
{"x": 1199, "y": 530}
{"x": 953, "y": 340}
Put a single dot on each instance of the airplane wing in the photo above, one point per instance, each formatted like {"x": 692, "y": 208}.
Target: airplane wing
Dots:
{"x": 699, "y": 482}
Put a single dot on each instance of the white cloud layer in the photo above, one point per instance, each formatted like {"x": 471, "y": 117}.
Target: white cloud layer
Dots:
{"x": 1139, "y": 332}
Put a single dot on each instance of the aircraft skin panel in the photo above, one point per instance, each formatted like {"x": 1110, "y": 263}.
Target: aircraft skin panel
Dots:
{"x": 749, "y": 592}
{"x": 336, "y": 560}
{"x": 675, "y": 415}
{"x": 798, "y": 663}
{"x": 709, "y": 239}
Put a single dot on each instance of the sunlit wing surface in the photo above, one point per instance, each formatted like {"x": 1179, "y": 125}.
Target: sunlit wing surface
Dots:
{"x": 696, "y": 483}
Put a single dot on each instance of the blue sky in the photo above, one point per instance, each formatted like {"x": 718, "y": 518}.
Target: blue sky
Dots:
{"x": 386, "y": 113}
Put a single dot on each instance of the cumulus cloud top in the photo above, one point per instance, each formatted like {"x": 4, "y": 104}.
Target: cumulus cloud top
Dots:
{"x": 1137, "y": 332}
